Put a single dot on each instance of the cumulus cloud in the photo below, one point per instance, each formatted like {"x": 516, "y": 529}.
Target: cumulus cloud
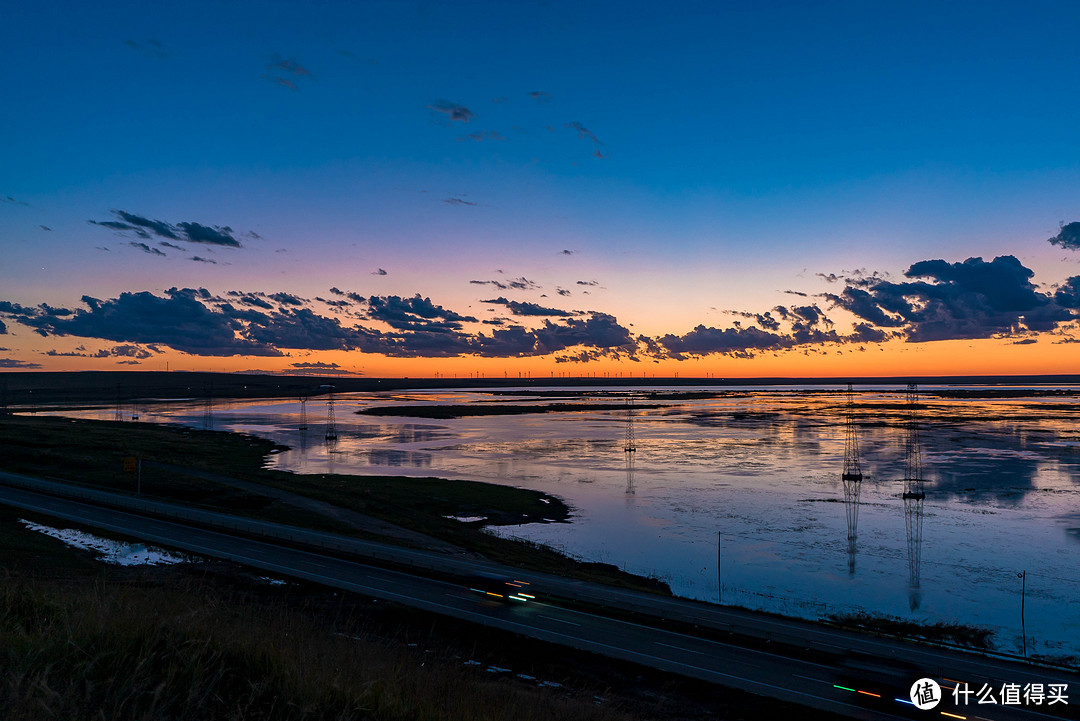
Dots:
{"x": 972, "y": 299}
{"x": 1068, "y": 237}
{"x": 455, "y": 111}
{"x": 519, "y": 308}
{"x": 414, "y": 313}
{"x": 189, "y": 232}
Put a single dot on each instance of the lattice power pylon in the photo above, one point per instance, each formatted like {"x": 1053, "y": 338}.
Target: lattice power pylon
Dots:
{"x": 914, "y": 495}
{"x": 331, "y": 421}
{"x": 629, "y": 474}
{"x": 851, "y": 479}
{"x": 303, "y": 414}
{"x": 630, "y": 445}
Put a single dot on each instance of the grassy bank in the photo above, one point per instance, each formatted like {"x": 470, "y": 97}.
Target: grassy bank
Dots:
{"x": 483, "y": 409}
{"x": 93, "y": 452}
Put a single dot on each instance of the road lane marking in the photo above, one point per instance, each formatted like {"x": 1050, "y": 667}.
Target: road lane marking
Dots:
{"x": 552, "y": 618}
{"x": 678, "y": 648}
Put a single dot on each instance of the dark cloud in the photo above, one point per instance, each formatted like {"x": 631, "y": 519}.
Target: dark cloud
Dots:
{"x": 145, "y": 248}
{"x": 517, "y": 308}
{"x": 186, "y": 231}
{"x": 45, "y": 227}
{"x": 521, "y": 283}
{"x": 199, "y": 259}
{"x": 1068, "y": 237}
{"x": 287, "y": 298}
{"x": 566, "y": 252}
{"x": 167, "y": 244}
{"x": 540, "y": 96}
{"x": 588, "y": 282}
{"x": 13, "y": 363}
{"x": 279, "y": 64}
{"x": 562, "y": 291}
{"x": 378, "y": 271}
{"x": 13, "y": 201}
{"x": 283, "y": 82}
{"x": 830, "y": 278}
{"x": 337, "y": 291}
{"x": 458, "y": 201}
{"x": 973, "y": 299}
{"x": 583, "y": 132}
{"x": 598, "y": 331}
{"x": 120, "y": 351}
{"x": 151, "y": 47}
{"x": 1068, "y": 293}
{"x": 454, "y": 111}
{"x": 796, "y": 292}
{"x": 416, "y": 313}
{"x": 3, "y": 328}
{"x": 481, "y": 135}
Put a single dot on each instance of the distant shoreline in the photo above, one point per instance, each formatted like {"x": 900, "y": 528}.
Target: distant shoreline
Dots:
{"x": 20, "y": 389}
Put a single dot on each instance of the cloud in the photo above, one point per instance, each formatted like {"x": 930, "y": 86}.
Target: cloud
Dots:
{"x": 583, "y": 132}
{"x": 1068, "y": 293}
{"x": 167, "y": 244}
{"x": 1068, "y": 237}
{"x": 378, "y": 271}
{"x": 416, "y": 313}
{"x": 521, "y": 283}
{"x": 146, "y": 248}
{"x": 120, "y": 351}
{"x": 598, "y": 331}
{"x": 481, "y": 135}
{"x": 12, "y": 201}
{"x": 287, "y": 298}
{"x": 458, "y": 201}
{"x": 517, "y": 308}
{"x": 454, "y": 111}
{"x": 589, "y": 283}
{"x": 151, "y": 47}
{"x": 562, "y": 291}
{"x": 283, "y": 82}
{"x": 45, "y": 227}
{"x": 13, "y": 363}
{"x": 199, "y": 259}
{"x": 3, "y": 329}
{"x": 279, "y": 64}
{"x": 540, "y": 96}
{"x": 185, "y": 232}
{"x": 566, "y": 252}
{"x": 973, "y": 299}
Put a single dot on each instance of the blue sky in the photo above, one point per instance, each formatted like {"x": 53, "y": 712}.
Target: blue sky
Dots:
{"x": 694, "y": 159}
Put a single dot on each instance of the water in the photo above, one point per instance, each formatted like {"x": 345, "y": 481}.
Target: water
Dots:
{"x": 739, "y": 498}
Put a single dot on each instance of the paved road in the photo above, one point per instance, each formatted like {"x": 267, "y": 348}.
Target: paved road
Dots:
{"x": 811, "y": 679}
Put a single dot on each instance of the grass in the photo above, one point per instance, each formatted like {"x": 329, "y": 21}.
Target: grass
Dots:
{"x": 92, "y": 452}
{"x": 950, "y": 633}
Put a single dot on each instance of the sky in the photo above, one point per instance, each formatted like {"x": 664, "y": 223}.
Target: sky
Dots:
{"x": 541, "y": 188}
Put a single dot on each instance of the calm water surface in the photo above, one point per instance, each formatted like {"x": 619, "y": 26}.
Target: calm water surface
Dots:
{"x": 739, "y": 498}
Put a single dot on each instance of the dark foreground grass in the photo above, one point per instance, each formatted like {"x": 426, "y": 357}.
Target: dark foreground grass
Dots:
{"x": 93, "y": 651}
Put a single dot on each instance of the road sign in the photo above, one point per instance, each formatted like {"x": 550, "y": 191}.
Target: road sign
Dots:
{"x": 130, "y": 464}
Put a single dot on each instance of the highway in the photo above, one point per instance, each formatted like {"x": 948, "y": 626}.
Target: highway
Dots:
{"x": 791, "y": 661}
